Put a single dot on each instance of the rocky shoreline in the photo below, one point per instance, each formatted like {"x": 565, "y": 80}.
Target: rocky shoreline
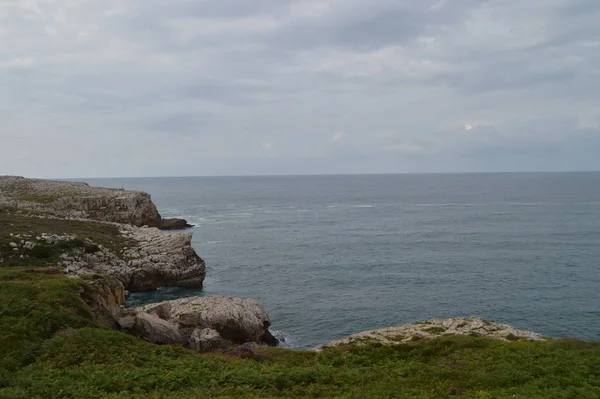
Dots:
{"x": 159, "y": 260}
{"x": 134, "y": 255}
{"x": 112, "y": 239}
{"x": 435, "y": 328}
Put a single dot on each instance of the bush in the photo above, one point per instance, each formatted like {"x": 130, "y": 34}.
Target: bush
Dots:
{"x": 91, "y": 248}
{"x": 42, "y": 251}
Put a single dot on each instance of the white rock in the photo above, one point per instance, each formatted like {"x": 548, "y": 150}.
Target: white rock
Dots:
{"x": 210, "y": 322}
{"x": 436, "y": 328}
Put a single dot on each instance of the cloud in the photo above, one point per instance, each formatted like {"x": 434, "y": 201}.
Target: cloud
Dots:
{"x": 338, "y": 136}
{"x": 19, "y": 63}
{"x": 449, "y": 81}
{"x": 268, "y": 145}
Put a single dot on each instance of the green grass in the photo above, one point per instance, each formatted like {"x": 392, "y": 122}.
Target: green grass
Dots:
{"x": 41, "y": 199}
{"x": 50, "y": 348}
{"x": 89, "y": 235}
{"x": 33, "y": 308}
{"x": 435, "y": 329}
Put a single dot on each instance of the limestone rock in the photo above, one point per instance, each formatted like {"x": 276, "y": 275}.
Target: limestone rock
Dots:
{"x": 207, "y": 323}
{"x": 157, "y": 330}
{"x": 474, "y": 326}
{"x": 239, "y": 320}
{"x": 105, "y": 295}
{"x": 65, "y": 199}
{"x": 207, "y": 339}
{"x": 160, "y": 260}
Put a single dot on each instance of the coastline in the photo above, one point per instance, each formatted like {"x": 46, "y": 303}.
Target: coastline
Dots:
{"x": 66, "y": 332}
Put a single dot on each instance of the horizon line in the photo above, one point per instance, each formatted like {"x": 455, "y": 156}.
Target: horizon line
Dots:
{"x": 327, "y": 174}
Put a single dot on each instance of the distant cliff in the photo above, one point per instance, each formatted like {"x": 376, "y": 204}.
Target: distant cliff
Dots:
{"x": 79, "y": 200}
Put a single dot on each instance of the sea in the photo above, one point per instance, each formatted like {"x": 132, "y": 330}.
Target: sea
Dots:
{"x": 330, "y": 256}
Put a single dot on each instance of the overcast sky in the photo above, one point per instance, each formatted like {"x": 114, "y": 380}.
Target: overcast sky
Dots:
{"x": 98, "y": 88}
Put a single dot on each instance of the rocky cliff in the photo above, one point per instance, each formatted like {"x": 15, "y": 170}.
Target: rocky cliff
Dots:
{"x": 80, "y": 201}
{"x": 92, "y": 230}
{"x": 156, "y": 259}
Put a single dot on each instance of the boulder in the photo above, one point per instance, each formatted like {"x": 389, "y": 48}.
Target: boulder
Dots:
{"x": 157, "y": 330}
{"x": 208, "y": 323}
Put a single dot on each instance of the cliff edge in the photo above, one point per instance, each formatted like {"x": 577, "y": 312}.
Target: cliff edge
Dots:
{"x": 76, "y": 200}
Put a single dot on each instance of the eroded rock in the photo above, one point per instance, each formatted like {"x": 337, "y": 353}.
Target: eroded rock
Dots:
{"x": 204, "y": 323}
{"x": 160, "y": 259}
{"x": 157, "y": 330}
{"x": 105, "y": 295}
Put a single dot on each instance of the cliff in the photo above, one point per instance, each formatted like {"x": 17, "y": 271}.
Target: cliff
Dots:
{"x": 83, "y": 230}
{"x": 73, "y": 200}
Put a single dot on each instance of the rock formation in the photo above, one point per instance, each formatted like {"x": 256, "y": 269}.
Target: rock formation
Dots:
{"x": 201, "y": 323}
{"x": 79, "y": 200}
{"x": 158, "y": 260}
{"x": 105, "y": 296}
{"x": 434, "y": 328}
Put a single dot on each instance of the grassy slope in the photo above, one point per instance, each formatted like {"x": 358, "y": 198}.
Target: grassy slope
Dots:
{"x": 49, "y": 347}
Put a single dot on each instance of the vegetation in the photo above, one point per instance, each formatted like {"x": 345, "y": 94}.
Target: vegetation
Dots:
{"x": 51, "y": 348}
{"x": 435, "y": 330}
{"x": 88, "y": 235}
{"x": 42, "y": 199}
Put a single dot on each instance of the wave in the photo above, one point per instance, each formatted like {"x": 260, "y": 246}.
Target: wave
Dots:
{"x": 285, "y": 340}
{"x": 351, "y": 206}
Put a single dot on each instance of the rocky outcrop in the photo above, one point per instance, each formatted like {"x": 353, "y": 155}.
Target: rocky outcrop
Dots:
{"x": 158, "y": 259}
{"x": 201, "y": 323}
{"x": 79, "y": 200}
{"x": 105, "y": 295}
{"x": 147, "y": 258}
{"x": 173, "y": 224}
{"x": 434, "y": 328}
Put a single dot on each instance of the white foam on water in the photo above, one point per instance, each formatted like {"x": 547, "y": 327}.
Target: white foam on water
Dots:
{"x": 447, "y": 204}
{"x": 285, "y": 340}
{"x": 351, "y": 206}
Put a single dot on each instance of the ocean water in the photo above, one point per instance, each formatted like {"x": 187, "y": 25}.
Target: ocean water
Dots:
{"x": 334, "y": 255}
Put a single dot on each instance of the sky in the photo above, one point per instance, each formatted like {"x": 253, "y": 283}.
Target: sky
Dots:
{"x": 101, "y": 88}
